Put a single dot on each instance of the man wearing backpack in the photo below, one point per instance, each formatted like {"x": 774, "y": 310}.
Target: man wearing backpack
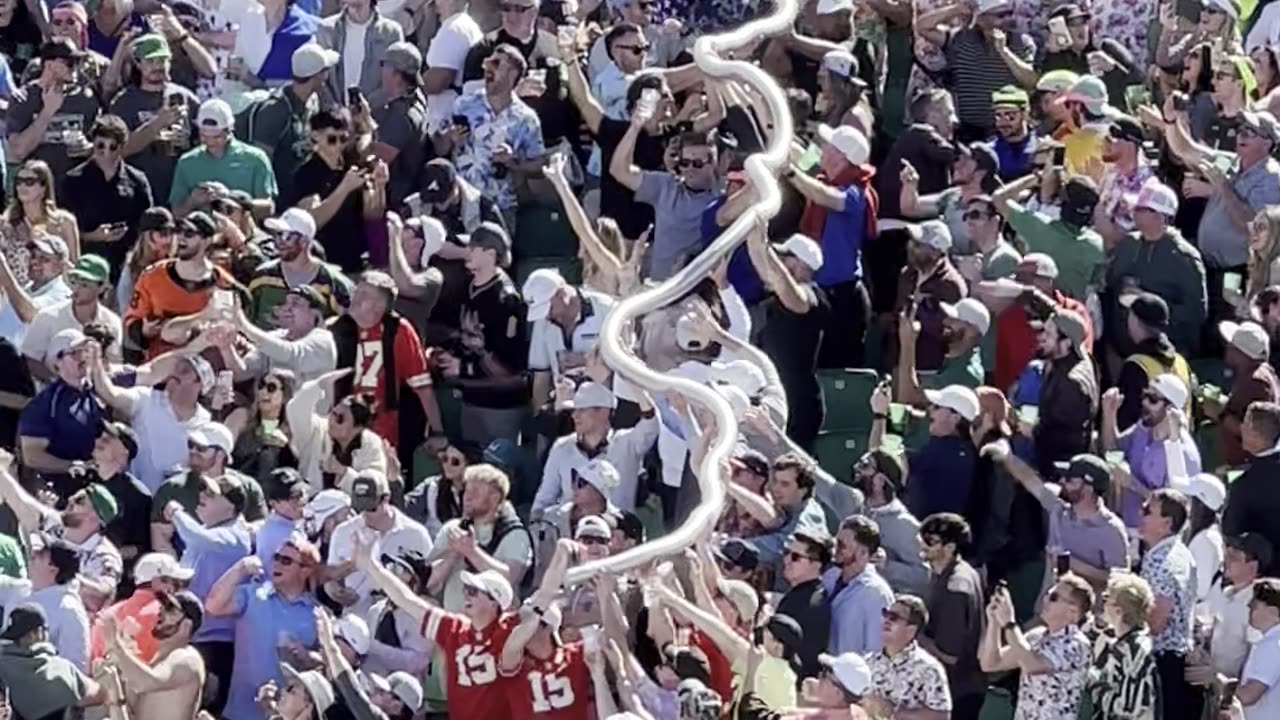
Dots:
{"x": 280, "y": 123}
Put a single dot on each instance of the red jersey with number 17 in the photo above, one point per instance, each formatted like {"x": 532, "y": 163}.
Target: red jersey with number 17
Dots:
{"x": 475, "y": 689}
{"x": 557, "y": 688}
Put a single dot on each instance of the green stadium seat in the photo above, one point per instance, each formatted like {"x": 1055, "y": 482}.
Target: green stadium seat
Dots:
{"x": 450, "y": 401}
{"x": 570, "y": 268}
{"x": 836, "y": 452}
{"x": 543, "y": 232}
{"x": 847, "y": 395}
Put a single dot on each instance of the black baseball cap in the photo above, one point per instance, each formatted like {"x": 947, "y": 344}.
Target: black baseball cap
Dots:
{"x": 628, "y": 523}
{"x": 687, "y": 661}
{"x": 199, "y": 223}
{"x": 491, "y": 236}
{"x": 887, "y": 464}
{"x": 187, "y": 603}
{"x": 311, "y": 295}
{"x": 60, "y": 48}
{"x": 1092, "y": 469}
{"x": 984, "y": 156}
{"x": 412, "y": 561}
{"x": 285, "y": 484}
{"x": 739, "y": 552}
{"x": 1127, "y": 129}
{"x": 155, "y": 218}
{"x": 438, "y": 180}
{"x": 752, "y": 460}
{"x": 787, "y": 631}
{"x": 1150, "y": 308}
{"x": 24, "y": 619}
{"x": 124, "y": 434}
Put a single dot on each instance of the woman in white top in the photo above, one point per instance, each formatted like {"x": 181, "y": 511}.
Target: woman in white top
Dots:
{"x": 333, "y": 448}
{"x": 1207, "y": 495}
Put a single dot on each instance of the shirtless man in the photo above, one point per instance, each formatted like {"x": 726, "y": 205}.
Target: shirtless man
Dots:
{"x": 171, "y": 686}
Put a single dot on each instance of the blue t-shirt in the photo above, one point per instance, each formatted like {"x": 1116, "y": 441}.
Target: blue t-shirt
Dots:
{"x": 941, "y": 476}
{"x": 67, "y": 416}
{"x": 741, "y": 273}
{"x": 841, "y": 241}
{"x": 1015, "y": 158}
{"x": 295, "y": 30}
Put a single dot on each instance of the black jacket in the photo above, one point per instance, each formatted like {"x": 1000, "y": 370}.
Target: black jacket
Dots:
{"x": 1253, "y": 505}
{"x": 1068, "y": 404}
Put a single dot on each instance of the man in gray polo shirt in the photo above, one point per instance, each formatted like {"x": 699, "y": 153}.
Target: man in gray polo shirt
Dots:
{"x": 1081, "y": 526}
{"x": 1249, "y": 182}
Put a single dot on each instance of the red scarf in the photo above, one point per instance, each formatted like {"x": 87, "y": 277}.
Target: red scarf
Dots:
{"x": 814, "y": 218}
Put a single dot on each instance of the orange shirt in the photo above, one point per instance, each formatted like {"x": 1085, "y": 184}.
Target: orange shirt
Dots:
{"x": 161, "y": 294}
{"x": 136, "y": 617}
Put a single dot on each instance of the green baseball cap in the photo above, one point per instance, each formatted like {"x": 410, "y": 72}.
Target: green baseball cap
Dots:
{"x": 91, "y": 268}
{"x": 151, "y": 47}
{"x": 103, "y": 502}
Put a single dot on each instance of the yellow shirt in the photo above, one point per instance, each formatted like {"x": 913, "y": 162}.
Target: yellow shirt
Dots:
{"x": 1084, "y": 152}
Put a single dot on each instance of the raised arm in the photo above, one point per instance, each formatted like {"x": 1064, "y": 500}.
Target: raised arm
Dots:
{"x": 622, "y": 165}
{"x": 25, "y": 507}
{"x": 610, "y": 264}
{"x": 143, "y": 677}
{"x": 399, "y": 594}
{"x": 734, "y": 646}
{"x": 775, "y": 275}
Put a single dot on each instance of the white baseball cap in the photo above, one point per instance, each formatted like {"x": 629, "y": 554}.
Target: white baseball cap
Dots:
{"x": 355, "y": 632}
{"x": 1248, "y": 337}
{"x": 1209, "y": 489}
{"x": 434, "y": 236}
{"x": 804, "y": 249}
{"x": 969, "y": 311}
{"x": 744, "y": 375}
{"x": 592, "y": 395}
{"x": 693, "y": 370}
{"x": 293, "y": 220}
{"x": 737, "y": 399}
{"x": 539, "y": 288}
{"x": 310, "y": 59}
{"x": 957, "y": 398}
{"x": 600, "y": 474}
{"x": 159, "y": 565}
{"x": 1169, "y": 387}
{"x": 848, "y": 140}
{"x": 593, "y": 526}
{"x": 841, "y": 62}
{"x": 492, "y": 584}
{"x": 212, "y": 434}
{"x": 317, "y": 686}
{"x": 1157, "y": 197}
{"x": 215, "y": 113}
{"x": 850, "y": 671}
{"x": 826, "y": 7}
{"x": 64, "y": 341}
{"x": 407, "y": 688}
{"x": 1041, "y": 264}
{"x": 687, "y": 336}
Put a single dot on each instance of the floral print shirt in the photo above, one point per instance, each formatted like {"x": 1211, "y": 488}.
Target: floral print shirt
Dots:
{"x": 1126, "y": 22}
{"x": 911, "y": 679}
{"x": 1120, "y": 191}
{"x": 1055, "y": 695}
{"x": 1171, "y": 572}
{"x": 1122, "y": 681}
{"x": 517, "y": 125}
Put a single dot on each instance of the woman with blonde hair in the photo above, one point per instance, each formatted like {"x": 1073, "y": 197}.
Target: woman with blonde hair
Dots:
{"x": 1122, "y": 680}
{"x": 32, "y": 211}
{"x": 607, "y": 266}
{"x": 1264, "y": 250}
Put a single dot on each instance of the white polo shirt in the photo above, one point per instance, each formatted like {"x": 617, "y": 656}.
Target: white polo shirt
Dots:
{"x": 625, "y": 450}
{"x": 56, "y": 318}
{"x": 162, "y": 437}
{"x": 1229, "y": 608}
{"x": 1263, "y": 666}
{"x": 546, "y": 339}
{"x": 405, "y": 534}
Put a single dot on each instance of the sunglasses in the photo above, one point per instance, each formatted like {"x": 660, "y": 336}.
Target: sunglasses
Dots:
{"x": 637, "y": 49}
{"x": 794, "y": 556}
{"x": 452, "y": 460}
{"x": 697, "y": 163}
{"x": 271, "y": 386}
{"x": 1007, "y": 114}
{"x": 976, "y": 215}
{"x": 284, "y": 560}
{"x": 1053, "y": 596}
{"x": 579, "y": 482}
{"x": 894, "y": 616}
{"x": 28, "y": 180}
{"x": 339, "y": 139}
{"x": 64, "y": 22}
{"x": 1225, "y": 75}
{"x": 593, "y": 540}
{"x": 338, "y": 416}
{"x": 106, "y": 145}
{"x": 1152, "y": 397}
{"x": 516, "y": 9}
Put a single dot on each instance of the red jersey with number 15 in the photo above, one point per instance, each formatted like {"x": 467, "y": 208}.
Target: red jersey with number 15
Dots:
{"x": 475, "y": 689}
{"x": 557, "y": 688}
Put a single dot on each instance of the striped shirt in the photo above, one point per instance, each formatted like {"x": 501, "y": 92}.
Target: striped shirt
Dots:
{"x": 977, "y": 71}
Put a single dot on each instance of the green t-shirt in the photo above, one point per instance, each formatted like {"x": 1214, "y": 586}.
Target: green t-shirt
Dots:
{"x": 241, "y": 167}
{"x": 13, "y": 562}
{"x": 965, "y": 370}
{"x": 187, "y": 492}
{"x": 1078, "y": 253}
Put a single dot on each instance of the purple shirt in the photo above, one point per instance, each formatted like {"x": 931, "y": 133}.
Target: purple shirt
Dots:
{"x": 1147, "y": 465}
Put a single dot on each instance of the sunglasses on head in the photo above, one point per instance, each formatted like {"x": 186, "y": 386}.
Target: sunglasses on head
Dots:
{"x": 697, "y": 163}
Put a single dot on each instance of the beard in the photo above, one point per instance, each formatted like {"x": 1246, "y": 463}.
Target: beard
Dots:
{"x": 71, "y": 520}
{"x": 1072, "y": 496}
